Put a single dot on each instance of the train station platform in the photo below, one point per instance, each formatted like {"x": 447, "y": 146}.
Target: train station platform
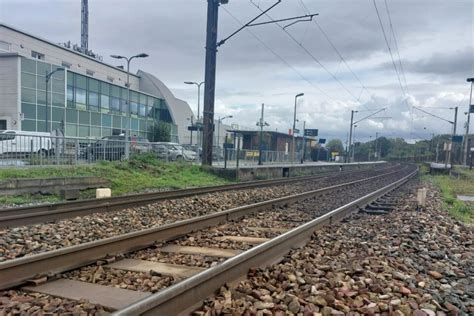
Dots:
{"x": 273, "y": 171}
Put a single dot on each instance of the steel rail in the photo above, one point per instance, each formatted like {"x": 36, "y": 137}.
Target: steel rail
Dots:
{"x": 14, "y": 217}
{"x": 17, "y": 271}
{"x": 185, "y": 295}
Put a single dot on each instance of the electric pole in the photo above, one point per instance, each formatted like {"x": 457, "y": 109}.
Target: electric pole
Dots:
{"x": 350, "y": 134}
{"x": 261, "y": 123}
{"x": 210, "y": 80}
{"x": 469, "y": 110}
{"x": 210, "y": 70}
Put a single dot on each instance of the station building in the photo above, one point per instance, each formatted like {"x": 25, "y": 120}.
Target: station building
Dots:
{"x": 86, "y": 99}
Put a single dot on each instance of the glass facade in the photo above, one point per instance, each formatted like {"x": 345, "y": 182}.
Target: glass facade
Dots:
{"x": 86, "y": 106}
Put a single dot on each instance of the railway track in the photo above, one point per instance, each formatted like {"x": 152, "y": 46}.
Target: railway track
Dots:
{"x": 267, "y": 219}
{"x": 19, "y": 216}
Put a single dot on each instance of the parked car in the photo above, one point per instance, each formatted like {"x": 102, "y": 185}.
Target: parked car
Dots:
{"x": 113, "y": 147}
{"x": 197, "y": 149}
{"x": 173, "y": 152}
{"x": 25, "y": 143}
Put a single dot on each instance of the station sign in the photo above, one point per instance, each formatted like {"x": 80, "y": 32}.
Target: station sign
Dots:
{"x": 311, "y": 132}
{"x": 322, "y": 141}
{"x": 457, "y": 139}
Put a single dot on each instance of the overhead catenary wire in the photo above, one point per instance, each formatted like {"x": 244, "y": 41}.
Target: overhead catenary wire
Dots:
{"x": 279, "y": 56}
{"x": 326, "y": 36}
{"x": 309, "y": 53}
{"x": 396, "y": 46}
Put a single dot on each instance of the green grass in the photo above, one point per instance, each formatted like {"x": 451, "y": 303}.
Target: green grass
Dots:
{"x": 136, "y": 175}
{"x": 451, "y": 187}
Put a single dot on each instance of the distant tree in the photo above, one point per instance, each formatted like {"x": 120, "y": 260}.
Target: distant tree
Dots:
{"x": 160, "y": 132}
{"x": 335, "y": 145}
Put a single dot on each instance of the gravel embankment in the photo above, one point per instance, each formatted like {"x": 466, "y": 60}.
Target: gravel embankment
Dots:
{"x": 403, "y": 263}
{"x": 27, "y": 240}
{"x": 17, "y": 301}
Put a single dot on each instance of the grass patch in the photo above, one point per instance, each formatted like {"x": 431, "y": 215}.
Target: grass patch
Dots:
{"x": 451, "y": 187}
{"x": 135, "y": 175}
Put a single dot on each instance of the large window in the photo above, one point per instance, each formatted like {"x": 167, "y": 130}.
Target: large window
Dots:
{"x": 90, "y": 107}
{"x": 80, "y": 98}
{"x": 93, "y": 101}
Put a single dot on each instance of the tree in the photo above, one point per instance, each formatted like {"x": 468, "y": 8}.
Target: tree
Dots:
{"x": 160, "y": 132}
{"x": 335, "y": 145}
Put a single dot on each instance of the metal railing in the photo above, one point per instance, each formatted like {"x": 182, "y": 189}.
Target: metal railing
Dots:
{"x": 245, "y": 157}
{"x": 25, "y": 149}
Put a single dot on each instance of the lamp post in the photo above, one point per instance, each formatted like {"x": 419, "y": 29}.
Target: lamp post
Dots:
{"x": 199, "y": 94}
{"x": 469, "y": 111}
{"x": 219, "y": 121}
{"x": 294, "y": 126}
{"x": 48, "y": 77}
{"x": 198, "y": 109}
{"x": 128, "y": 127}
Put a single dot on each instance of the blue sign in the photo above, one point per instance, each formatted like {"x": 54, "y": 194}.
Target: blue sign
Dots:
{"x": 471, "y": 109}
{"x": 456, "y": 139}
{"x": 322, "y": 141}
{"x": 311, "y": 132}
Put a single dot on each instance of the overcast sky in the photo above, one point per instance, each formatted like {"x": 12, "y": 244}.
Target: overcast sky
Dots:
{"x": 269, "y": 64}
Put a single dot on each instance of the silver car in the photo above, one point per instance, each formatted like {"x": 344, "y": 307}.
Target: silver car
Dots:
{"x": 173, "y": 152}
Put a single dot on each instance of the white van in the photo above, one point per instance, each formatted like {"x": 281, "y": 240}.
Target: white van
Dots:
{"x": 19, "y": 142}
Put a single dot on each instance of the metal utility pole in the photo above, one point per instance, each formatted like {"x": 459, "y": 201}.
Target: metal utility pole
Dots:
{"x": 469, "y": 110}
{"x": 127, "y": 129}
{"x": 84, "y": 26}
{"x": 304, "y": 143}
{"x": 350, "y": 136}
{"x": 294, "y": 127}
{"x": 353, "y": 147}
{"x": 455, "y": 123}
{"x": 375, "y": 149}
{"x": 210, "y": 71}
{"x": 261, "y": 123}
{"x": 210, "y": 80}
{"x": 219, "y": 121}
{"x": 191, "y": 131}
{"x": 47, "y": 78}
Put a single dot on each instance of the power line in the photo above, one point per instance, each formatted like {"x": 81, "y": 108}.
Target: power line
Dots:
{"x": 335, "y": 49}
{"x": 308, "y": 53}
{"x": 277, "y": 55}
{"x": 389, "y": 49}
{"x": 396, "y": 46}
{"x": 404, "y": 92}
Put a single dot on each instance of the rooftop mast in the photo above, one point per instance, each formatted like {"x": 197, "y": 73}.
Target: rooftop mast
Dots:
{"x": 84, "y": 26}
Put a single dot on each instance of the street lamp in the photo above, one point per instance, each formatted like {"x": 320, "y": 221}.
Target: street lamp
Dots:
{"x": 127, "y": 130}
{"x": 199, "y": 94}
{"x": 48, "y": 77}
{"x": 469, "y": 111}
{"x": 219, "y": 121}
{"x": 294, "y": 125}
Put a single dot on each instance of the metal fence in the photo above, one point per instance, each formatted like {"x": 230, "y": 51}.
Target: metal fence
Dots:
{"x": 244, "y": 157}
{"x": 27, "y": 149}
{"x": 23, "y": 149}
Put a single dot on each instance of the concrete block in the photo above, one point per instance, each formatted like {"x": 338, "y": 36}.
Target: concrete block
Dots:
{"x": 69, "y": 194}
{"x": 421, "y": 197}
{"x": 103, "y": 193}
